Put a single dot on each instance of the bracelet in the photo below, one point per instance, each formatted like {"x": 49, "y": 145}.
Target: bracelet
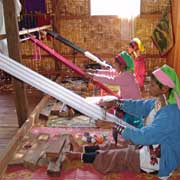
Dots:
{"x": 119, "y": 128}
{"x": 119, "y": 104}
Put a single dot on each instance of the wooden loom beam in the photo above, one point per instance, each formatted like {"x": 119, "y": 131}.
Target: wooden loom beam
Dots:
{"x": 69, "y": 64}
{"x": 78, "y": 49}
{"x": 3, "y": 36}
{"x": 28, "y": 31}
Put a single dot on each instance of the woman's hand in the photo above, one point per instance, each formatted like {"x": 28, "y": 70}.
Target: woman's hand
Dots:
{"x": 88, "y": 76}
{"x": 106, "y": 104}
{"x": 92, "y": 71}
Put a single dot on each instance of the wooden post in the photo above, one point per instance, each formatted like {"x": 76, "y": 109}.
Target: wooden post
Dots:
{"x": 55, "y": 5}
{"x": 174, "y": 55}
{"x": 12, "y": 32}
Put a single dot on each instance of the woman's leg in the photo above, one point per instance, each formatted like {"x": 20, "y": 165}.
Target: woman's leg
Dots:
{"x": 117, "y": 160}
{"x": 84, "y": 157}
{"x": 110, "y": 161}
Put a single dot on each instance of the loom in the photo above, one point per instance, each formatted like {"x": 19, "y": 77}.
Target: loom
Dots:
{"x": 55, "y": 90}
{"x": 69, "y": 64}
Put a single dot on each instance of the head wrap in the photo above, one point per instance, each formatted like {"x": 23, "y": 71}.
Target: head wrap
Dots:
{"x": 168, "y": 77}
{"x": 137, "y": 44}
{"x": 126, "y": 59}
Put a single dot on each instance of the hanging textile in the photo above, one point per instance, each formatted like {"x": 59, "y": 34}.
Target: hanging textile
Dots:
{"x": 29, "y": 21}
{"x": 43, "y": 20}
{"x": 162, "y": 35}
{"x": 32, "y": 6}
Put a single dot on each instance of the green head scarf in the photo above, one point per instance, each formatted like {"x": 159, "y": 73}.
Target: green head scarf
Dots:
{"x": 167, "y": 76}
{"x": 128, "y": 60}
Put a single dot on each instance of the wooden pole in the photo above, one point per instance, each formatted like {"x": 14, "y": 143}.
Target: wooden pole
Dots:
{"x": 28, "y": 31}
{"x": 2, "y": 36}
{"x": 12, "y": 32}
{"x": 174, "y": 55}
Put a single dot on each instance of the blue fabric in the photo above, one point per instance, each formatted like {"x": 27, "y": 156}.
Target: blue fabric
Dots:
{"x": 164, "y": 130}
{"x": 134, "y": 121}
{"x": 89, "y": 149}
{"x": 134, "y": 115}
{"x": 132, "y": 107}
{"x": 89, "y": 157}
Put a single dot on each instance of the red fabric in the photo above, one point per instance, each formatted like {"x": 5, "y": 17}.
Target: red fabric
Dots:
{"x": 78, "y": 172}
{"x": 69, "y": 63}
{"x": 43, "y": 20}
{"x": 140, "y": 70}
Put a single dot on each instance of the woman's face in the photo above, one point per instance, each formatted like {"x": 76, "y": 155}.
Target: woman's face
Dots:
{"x": 154, "y": 88}
{"x": 130, "y": 49}
{"x": 118, "y": 66}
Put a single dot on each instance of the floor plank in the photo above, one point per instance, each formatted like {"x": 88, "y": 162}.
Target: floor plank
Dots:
{"x": 8, "y": 117}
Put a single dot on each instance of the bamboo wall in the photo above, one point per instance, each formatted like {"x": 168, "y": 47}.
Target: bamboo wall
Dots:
{"x": 102, "y": 35}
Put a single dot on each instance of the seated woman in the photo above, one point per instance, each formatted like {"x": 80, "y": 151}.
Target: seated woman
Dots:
{"x": 159, "y": 139}
{"x": 123, "y": 77}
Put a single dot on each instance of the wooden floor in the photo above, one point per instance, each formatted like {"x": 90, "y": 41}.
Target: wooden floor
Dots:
{"x": 8, "y": 117}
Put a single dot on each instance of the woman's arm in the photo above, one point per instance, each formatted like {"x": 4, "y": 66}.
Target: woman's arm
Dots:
{"x": 139, "y": 108}
{"x": 154, "y": 133}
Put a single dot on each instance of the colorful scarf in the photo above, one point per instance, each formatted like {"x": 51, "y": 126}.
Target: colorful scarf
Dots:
{"x": 168, "y": 77}
{"x": 126, "y": 59}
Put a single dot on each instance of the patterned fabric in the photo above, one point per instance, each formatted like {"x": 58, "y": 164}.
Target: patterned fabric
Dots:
{"x": 162, "y": 35}
{"x": 154, "y": 154}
